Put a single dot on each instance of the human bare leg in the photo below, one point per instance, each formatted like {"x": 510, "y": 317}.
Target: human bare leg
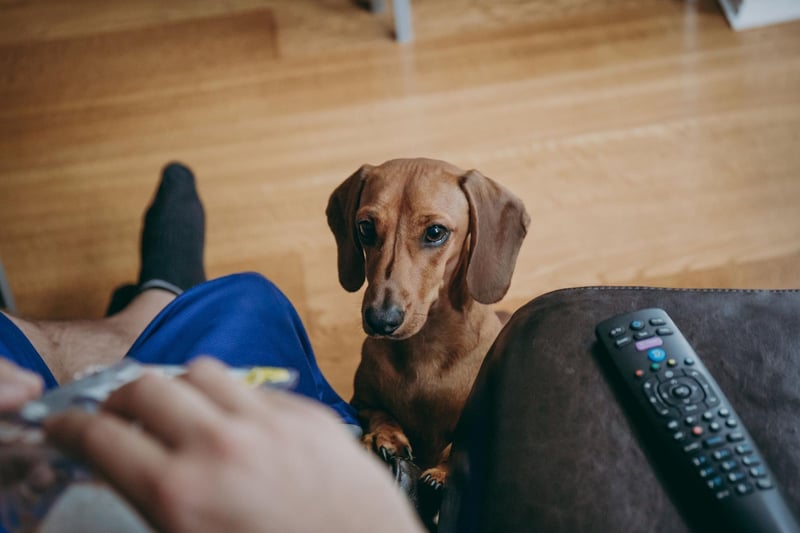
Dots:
{"x": 172, "y": 243}
{"x": 70, "y": 346}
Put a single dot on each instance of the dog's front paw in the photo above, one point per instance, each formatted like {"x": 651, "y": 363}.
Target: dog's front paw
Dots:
{"x": 434, "y": 477}
{"x": 388, "y": 444}
{"x": 429, "y": 495}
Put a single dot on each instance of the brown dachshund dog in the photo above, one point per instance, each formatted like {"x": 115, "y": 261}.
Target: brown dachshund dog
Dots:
{"x": 436, "y": 245}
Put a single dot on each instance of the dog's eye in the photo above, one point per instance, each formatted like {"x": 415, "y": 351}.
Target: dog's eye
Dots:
{"x": 436, "y": 234}
{"x": 366, "y": 232}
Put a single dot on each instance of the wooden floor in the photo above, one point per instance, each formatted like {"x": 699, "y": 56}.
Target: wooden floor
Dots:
{"x": 650, "y": 143}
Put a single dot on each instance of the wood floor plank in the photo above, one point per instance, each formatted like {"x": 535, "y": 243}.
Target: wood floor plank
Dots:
{"x": 650, "y": 143}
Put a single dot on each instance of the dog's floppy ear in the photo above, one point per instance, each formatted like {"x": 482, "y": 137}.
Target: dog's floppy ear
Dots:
{"x": 341, "y": 213}
{"x": 498, "y": 224}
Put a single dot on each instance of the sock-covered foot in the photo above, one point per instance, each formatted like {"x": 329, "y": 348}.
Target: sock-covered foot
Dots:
{"x": 173, "y": 234}
{"x": 121, "y": 297}
{"x": 6, "y": 297}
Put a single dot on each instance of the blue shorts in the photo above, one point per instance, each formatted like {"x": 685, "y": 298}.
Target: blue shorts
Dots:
{"x": 241, "y": 319}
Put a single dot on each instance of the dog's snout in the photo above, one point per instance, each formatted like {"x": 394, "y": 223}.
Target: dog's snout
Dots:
{"x": 383, "y": 321}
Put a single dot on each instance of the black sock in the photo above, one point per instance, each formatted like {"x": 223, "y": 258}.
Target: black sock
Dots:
{"x": 6, "y": 297}
{"x": 173, "y": 234}
{"x": 121, "y": 297}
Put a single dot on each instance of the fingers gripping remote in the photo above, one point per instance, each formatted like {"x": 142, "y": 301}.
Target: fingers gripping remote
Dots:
{"x": 696, "y": 433}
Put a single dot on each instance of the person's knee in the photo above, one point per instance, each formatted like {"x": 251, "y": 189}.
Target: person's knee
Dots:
{"x": 254, "y": 292}
{"x": 256, "y": 288}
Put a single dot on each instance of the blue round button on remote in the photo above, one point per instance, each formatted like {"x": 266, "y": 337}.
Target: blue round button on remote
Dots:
{"x": 657, "y": 355}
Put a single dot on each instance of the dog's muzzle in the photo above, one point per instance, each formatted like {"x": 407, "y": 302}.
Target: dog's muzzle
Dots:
{"x": 378, "y": 321}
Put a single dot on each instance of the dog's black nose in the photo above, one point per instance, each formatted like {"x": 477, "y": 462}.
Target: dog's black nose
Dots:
{"x": 383, "y": 321}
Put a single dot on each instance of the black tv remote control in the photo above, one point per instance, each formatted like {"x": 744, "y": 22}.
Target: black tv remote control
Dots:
{"x": 700, "y": 440}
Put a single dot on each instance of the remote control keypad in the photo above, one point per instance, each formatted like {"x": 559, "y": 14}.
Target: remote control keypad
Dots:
{"x": 678, "y": 392}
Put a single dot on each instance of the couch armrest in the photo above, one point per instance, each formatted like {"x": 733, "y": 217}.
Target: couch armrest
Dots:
{"x": 543, "y": 444}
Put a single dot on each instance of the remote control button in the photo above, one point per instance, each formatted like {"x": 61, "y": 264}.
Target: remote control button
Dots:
{"x": 706, "y": 472}
{"x": 697, "y": 431}
{"x": 735, "y": 477}
{"x": 654, "y": 367}
{"x": 751, "y": 460}
{"x": 723, "y": 412}
{"x": 721, "y": 495}
{"x": 744, "y": 449}
{"x": 744, "y": 488}
{"x": 644, "y": 334}
{"x": 764, "y": 484}
{"x": 622, "y": 342}
{"x": 727, "y": 466}
{"x": 714, "y": 426}
{"x": 702, "y": 383}
{"x": 657, "y": 322}
{"x": 681, "y": 391}
{"x": 636, "y": 325}
{"x": 656, "y": 355}
{"x": 712, "y": 401}
{"x": 658, "y": 405}
{"x": 713, "y": 442}
{"x": 758, "y": 471}
{"x": 650, "y": 343}
{"x": 671, "y": 362}
{"x": 715, "y": 483}
{"x": 690, "y": 409}
{"x": 665, "y": 390}
{"x": 691, "y": 447}
{"x": 616, "y": 332}
{"x": 688, "y": 361}
{"x": 736, "y": 436}
{"x": 667, "y": 413}
{"x": 663, "y": 332}
{"x": 673, "y": 425}
{"x": 669, "y": 374}
{"x": 708, "y": 415}
{"x": 690, "y": 420}
{"x": 699, "y": 460}
{"x": 678, "y": 435}
{"x": 731, "y": 423}
{"x": 721, "y": 454}
{"x": 638, "y": 373}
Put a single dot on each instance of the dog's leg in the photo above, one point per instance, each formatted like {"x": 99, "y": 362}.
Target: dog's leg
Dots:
{"x": 431, "y": 490}
{"x": 384, "y": 435}
{"x": 436, "y": 476}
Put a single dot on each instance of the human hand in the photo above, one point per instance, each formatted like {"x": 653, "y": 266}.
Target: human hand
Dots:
{"x": 207, "y": 454}
{"x": 17, "y": 386}
{"x": 25, "y": 475}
